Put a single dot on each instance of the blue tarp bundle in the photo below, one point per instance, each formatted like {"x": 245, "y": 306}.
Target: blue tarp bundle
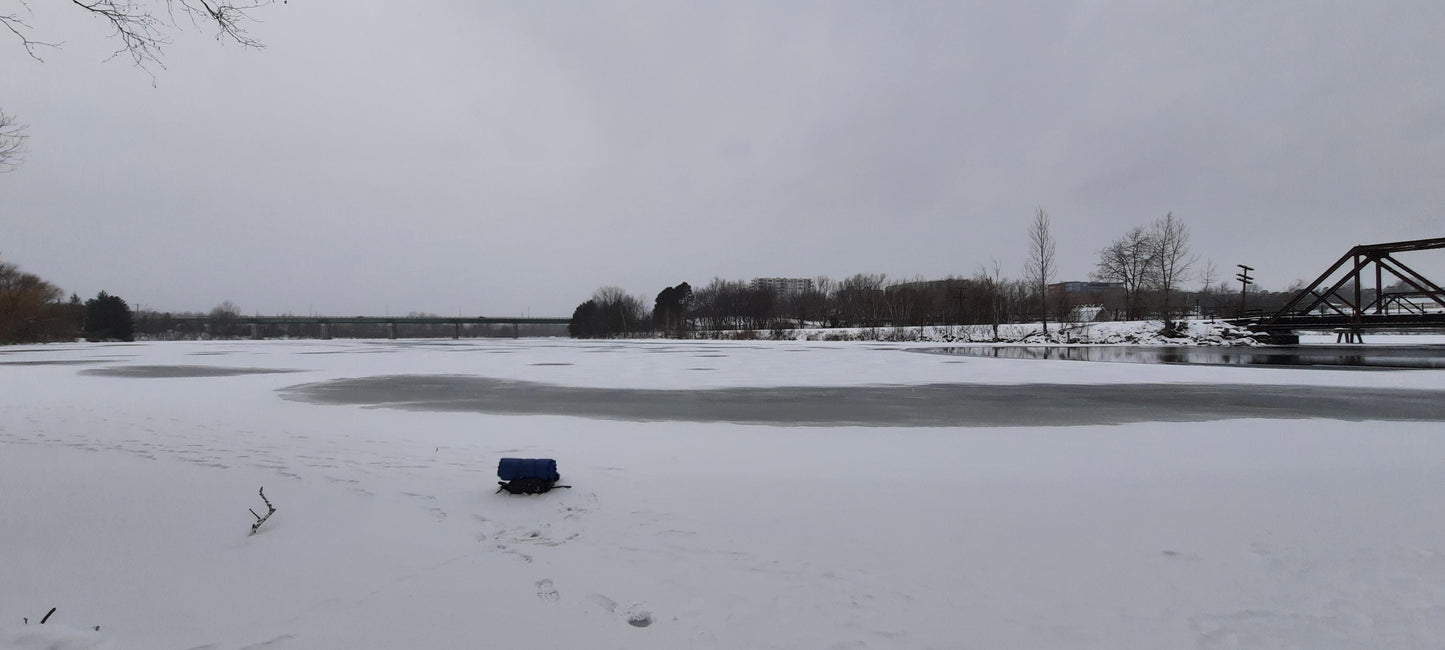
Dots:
{"x": 511, "y": 469}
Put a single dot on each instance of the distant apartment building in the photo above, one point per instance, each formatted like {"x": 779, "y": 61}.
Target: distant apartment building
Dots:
{"x": 784, "y": 286}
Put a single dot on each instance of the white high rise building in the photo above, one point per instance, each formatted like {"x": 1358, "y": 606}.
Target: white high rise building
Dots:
{"x": 784, "y": 286}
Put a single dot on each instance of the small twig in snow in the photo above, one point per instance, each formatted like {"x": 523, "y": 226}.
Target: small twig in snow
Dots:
{"x": 270, "y": 509}
{"x": 47, "y": 616}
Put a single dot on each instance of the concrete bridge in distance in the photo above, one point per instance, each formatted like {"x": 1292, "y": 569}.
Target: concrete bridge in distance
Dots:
{"x": 392, "y": 323}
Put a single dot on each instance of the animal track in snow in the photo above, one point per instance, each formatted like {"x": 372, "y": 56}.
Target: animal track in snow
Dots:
{"x": 547, "y": 591}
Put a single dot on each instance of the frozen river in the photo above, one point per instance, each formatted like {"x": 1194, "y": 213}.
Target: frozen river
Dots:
{"x": 743, "y": 494}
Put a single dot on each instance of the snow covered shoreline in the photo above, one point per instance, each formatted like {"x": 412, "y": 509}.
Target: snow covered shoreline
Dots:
{"x": 1193, "y": 332}
{"x": 127, "y": 496}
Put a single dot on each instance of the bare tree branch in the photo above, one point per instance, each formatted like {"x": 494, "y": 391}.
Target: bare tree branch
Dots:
{"x": 21, "y": 28}
{"x": 141, "y": 33}
{"x": 230, "y": 17}
{"x": 12, "y": 142}
{"x": 143, "y": 29}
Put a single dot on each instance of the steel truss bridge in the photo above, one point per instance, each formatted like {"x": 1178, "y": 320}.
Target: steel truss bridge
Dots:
{"x": 392, "y": 323}
{"x": 1337, "y": 300}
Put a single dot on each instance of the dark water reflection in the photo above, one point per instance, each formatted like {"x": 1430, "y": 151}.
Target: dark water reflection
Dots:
{"x": 1313, "y": 356}
{"x": 929, "y": 405}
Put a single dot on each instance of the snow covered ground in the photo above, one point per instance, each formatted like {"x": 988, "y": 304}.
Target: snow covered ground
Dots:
{"x": 126, "y": 473}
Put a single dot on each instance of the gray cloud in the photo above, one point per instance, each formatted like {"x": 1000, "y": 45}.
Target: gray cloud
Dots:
{"x": 498, "y": 158}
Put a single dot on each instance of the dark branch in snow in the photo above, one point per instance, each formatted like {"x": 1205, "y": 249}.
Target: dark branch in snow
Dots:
{"x": 47, "y": 616}
{"x": 270, "y": 509}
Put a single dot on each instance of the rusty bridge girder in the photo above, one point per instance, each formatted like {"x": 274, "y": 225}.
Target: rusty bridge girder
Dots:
{"x": 1337, "y": 298}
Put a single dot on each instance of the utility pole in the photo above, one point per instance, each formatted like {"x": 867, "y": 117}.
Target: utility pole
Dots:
{"x": 1244, "y": 282}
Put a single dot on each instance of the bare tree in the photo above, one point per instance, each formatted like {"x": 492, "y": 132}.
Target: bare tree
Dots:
{"x": 12, "y": 142}
{"x": 1128, "y": 261}
{"x": 1172, "y": 263}
{"x": 823, "y": 297}
{"x": 1207, "y": 277}
{"x": 31, "y": 309}
{"x": 624, "y": 312}
{"x": 990, "y": 280}
{"x": 1040, "y": 267}
{"x": 861, "y": 299}
{"x": 223, "y": 319}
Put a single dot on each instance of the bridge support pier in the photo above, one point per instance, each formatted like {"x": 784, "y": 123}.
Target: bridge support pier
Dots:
{"x": 1275, "y": 336}
{"x": 255, "y": 331}
{"x": 326, "y": 331}
{"x": 1283, "y": 337}
{"x": 391, "y": 330}
{"x": 456, "y": 331}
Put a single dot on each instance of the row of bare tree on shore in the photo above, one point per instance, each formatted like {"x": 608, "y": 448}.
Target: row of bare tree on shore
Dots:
{"x": 1142, "y": 274}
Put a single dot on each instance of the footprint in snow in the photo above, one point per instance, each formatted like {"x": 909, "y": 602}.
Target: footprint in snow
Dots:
{"x": 635, "y": 615}
{"x": 546, "y": 591}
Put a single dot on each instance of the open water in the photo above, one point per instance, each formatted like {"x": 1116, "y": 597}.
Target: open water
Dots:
{"x": 1311, "y": 356}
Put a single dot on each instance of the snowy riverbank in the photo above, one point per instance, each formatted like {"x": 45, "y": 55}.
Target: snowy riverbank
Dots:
{"x": 1192, "y": 332}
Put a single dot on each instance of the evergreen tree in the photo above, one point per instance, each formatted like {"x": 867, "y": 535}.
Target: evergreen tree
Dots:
{"x": 669, "y": 311}
{"x": 108, "y": 318}
{"x": 584, "y": 323}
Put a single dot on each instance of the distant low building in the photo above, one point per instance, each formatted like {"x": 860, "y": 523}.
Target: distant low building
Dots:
{"x": 1085, "y": 287}
{"x": 1084, "y": 313}
{"x": 1087, "y": 301}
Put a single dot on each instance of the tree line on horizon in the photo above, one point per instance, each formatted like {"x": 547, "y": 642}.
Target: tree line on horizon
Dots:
{"x": 873, "y": 301}
{"x": 1142, "y": 274}
{"x": 223, "y": 322}
{"x": 35, "y": 311}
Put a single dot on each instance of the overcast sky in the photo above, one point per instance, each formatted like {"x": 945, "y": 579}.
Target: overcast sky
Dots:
{"x": 502, "y": 158}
